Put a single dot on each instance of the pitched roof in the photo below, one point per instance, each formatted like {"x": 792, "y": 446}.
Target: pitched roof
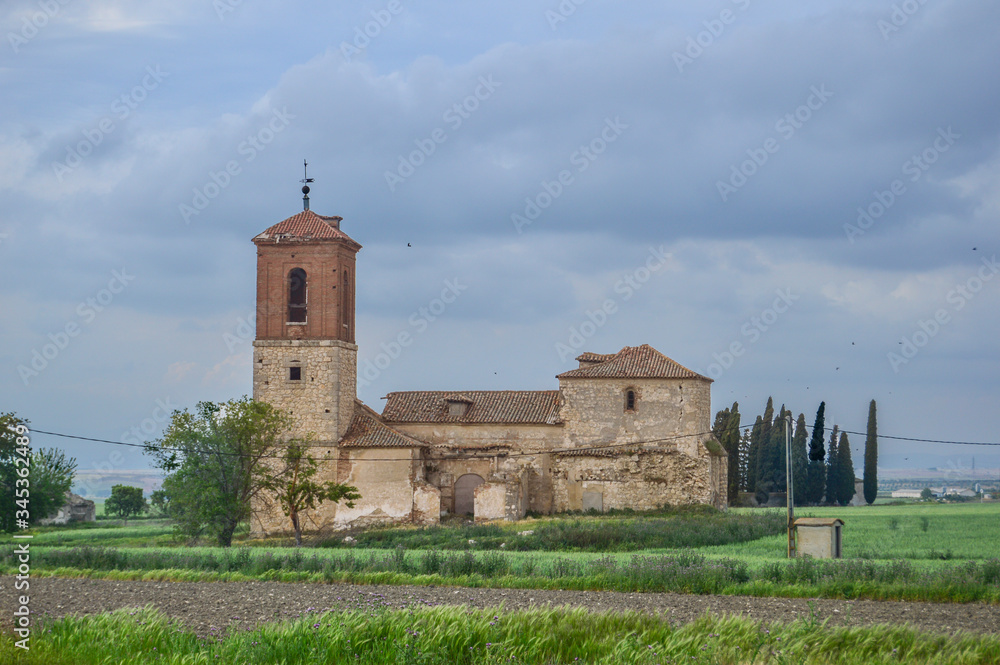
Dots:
{"x": 591, "y": 357}
{"x": 368, "y": 431}
{"x": 485, "y": 406}
{"x": 632, "y": 362}
{"x": 305, "y": 226}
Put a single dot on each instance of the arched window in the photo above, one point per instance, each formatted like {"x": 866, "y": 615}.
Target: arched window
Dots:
{"x": 630, "y": 400}
{"x": 297, "y": 296}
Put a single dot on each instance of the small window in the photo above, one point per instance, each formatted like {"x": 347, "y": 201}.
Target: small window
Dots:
{"x": 456, "y": 408}
{"x": 297, "y": 296}
{"x": 294, "y": 373}
{"x": 630, "y": 400}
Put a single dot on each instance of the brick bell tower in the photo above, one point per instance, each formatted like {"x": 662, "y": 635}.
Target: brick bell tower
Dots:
{"x": 305, "y": 360}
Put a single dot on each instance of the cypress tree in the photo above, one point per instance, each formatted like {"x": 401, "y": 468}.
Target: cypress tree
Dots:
{"x": 845, "y": 468}
{"x": 765, "y": 470}
{"x": 816, "y": 451}
{"x": 816, "y": 471}
{"x": 871, "y": 457}
{"x": 800, "y": 478}
{"x": 833, "y": 469}
{"x": 733, "y": 446}
{"x": 753, "y": 455}
{"x": 776, "y": 453}
{"x": 744, "y": 461}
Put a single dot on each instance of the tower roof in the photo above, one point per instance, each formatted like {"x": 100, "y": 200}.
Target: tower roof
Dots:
{"x": 632, "y": 362}
{"x": 306, "y": 226}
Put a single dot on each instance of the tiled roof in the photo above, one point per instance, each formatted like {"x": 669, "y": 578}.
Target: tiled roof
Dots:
{"x": 368, "y": 431}
{"x": 305, "y": 225}
{"x": 633, "y": 362}
{"x": 590, "y": 357}
{"x": 485, "y": 406}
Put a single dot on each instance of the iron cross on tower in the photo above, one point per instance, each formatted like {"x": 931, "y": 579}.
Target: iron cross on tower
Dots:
{"x": 305, "y": 184}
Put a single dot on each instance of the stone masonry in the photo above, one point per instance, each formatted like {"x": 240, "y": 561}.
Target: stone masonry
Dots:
{"x": 624, "y": 430}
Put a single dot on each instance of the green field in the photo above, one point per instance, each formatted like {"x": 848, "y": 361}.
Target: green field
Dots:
{"x": 939, "y": 552}
{"x": 457, "y": 635}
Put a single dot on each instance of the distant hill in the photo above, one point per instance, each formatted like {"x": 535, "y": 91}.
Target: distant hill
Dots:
{"x": 97, "y": 484}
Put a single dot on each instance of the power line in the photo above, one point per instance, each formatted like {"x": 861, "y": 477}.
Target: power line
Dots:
{"x": 596, "y": 447}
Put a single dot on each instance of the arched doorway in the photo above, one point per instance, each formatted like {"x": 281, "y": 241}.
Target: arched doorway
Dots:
{"x": 465, "y": 493}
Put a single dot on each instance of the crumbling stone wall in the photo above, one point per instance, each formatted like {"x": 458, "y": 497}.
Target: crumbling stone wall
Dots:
{"x": 641, "y": 480}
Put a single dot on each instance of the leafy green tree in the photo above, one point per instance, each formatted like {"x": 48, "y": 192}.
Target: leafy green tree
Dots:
{"x": 845, "y": 468}
{"x": 125, "y": 501}
{"x": 50, "y": 476}
{"x": 833, "y": 469}
{"x": 296, "y": 491}
{"x": 9, "y": 433}
{"x": 800, "y": 462}
{"x": 216, "y": 461}
{"x": 871, "y": 457}
{"x": 926, "y": 494}
{"x": 159, "y": 503}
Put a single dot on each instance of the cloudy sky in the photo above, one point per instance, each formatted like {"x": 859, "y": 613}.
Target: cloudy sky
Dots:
{"x": 796, "y": 199}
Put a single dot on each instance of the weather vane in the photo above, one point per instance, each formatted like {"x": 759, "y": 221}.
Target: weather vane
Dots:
{"x": 305, "y": 184}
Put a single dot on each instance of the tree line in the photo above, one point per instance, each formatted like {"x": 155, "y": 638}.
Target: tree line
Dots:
{"x": 822, "y": 468}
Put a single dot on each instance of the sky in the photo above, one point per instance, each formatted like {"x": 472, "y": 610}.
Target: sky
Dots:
{"x": 798, "y": 200}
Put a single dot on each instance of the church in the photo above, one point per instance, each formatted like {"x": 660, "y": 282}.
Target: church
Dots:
{"x": 628, "y": 429}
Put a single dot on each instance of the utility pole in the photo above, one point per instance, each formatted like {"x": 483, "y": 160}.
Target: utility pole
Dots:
{"x": 789, "y": 492}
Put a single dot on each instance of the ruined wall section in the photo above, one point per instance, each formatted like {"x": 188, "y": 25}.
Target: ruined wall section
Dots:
{"x": 452, "y": 443}
{"x": 639, "y": 480}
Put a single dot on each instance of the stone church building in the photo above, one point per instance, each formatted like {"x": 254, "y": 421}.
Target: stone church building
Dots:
{"x": 629, "y": 429}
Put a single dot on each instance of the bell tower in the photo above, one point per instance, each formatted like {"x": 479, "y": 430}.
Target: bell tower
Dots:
{"x": 305, "y": 359}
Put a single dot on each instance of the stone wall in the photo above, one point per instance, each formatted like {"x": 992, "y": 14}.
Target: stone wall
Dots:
{"x": 641, "y": 480}
{"x": 322, "y": 402}
{"x": 449, "y": 459}
{"x": 594, "y": 411}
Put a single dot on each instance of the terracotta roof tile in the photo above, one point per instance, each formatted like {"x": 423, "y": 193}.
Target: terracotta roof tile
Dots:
{"x": 368, "y": 431}
{"x": 304, "y": 226}
{"x": 485, "y": 406}
{"x": 632, "y": 362}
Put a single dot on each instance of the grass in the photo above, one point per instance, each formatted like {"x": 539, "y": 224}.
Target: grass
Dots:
{"x": 376, "y": 635}
{"x": 683, "y": 527}
{"x": 965, "y": 531}
{"x": 686, "y": 572}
